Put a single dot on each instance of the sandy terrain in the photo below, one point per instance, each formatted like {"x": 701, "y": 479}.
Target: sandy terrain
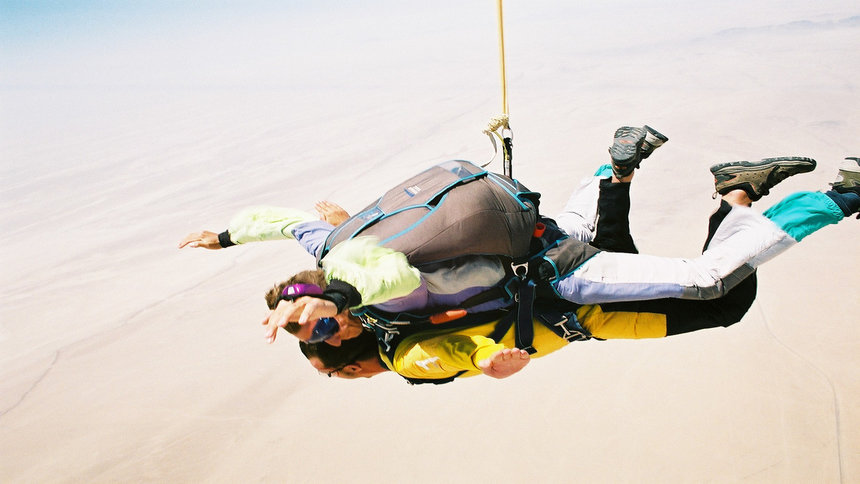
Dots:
{"x": 123, "y": 359}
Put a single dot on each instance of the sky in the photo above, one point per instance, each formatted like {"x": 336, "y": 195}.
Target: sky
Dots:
{"x": 265, "y": 43}
{"x": 220, "y": 44}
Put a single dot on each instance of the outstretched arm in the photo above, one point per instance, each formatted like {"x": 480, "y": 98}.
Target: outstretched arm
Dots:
{"x": 268, "y": 223}
{"x": 250, "y": 225}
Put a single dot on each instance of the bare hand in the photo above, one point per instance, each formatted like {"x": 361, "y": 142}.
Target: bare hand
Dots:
{"x": 205, "y": 240}
{"x": 299, "y": 310}
{"x": 331, "y": 212}
{"x": 505, "y": 362}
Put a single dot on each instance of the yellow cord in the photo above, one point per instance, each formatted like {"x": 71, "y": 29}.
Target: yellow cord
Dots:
{"x": 500, "y": 122}
{"x": 502, "y": 58}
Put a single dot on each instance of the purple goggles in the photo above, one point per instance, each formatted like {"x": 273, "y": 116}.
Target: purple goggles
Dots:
{"x": 295, "y": 290}
{"x": 324, "y": 328}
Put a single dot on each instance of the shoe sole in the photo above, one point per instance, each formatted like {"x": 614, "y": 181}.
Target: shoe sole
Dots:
{"x": 624, "y": 151}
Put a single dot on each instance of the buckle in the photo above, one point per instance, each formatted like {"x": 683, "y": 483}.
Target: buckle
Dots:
{"x": 569, "y": 332}
{"x": 521, "y": 270}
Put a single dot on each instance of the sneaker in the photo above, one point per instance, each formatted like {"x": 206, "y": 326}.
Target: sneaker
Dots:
{"x": 653, "y": 140}
{"x": 758, "y": 177}
{"x": 626, "y": 150}
{"x": 848, "y": 179}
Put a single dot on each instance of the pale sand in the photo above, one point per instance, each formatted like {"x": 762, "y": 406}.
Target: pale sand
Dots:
{"x": 123, "y": 359}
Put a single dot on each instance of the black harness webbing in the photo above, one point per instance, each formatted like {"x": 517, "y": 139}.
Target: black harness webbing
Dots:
{"x": 525, "y": 333}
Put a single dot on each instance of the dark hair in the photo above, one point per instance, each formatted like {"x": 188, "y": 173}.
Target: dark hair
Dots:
{"x": 350, "y": 350}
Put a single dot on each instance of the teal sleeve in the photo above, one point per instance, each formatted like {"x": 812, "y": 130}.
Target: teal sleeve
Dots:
{"x": 604, "y": 171}
{"x": 378, "y": 273}
{"x": 802, "y": 213}
{"x": 266, "y": 223}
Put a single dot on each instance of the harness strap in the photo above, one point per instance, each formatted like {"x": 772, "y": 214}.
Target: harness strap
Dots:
{"x": 491, "y": 294}
{"x": 525, "y": 323}
{"x": 502, "y": 327}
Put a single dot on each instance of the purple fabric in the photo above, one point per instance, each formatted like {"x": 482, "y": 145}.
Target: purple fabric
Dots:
{"x": 311, "y": 235}
{"x": 421, "y": 298}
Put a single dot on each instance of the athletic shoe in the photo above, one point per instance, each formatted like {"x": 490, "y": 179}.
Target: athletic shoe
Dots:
{"x": 758, "y": 177}
{"x": 626, "y": 150}
{"x": 653, "y": 140}
{"x": 848, "y": 179}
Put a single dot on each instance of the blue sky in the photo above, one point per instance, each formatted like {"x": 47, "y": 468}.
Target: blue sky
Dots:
{"x": 32, "y": 20}
{"x": 87, "y": 43}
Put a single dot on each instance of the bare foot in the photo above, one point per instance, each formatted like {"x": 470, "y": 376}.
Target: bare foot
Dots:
{"x": 331, "y": 212}
{"x": 505, "y": 362}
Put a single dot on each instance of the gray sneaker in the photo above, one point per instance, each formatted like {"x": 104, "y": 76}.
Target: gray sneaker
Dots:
{"x": 758, "y": 177}
{"x": 653, "y": 140}
{"x": 626, "y": 150}
{"x": 848, "y": 179}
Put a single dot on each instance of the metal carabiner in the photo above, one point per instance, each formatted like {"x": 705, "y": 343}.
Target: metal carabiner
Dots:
{"x": 521, "y": 270}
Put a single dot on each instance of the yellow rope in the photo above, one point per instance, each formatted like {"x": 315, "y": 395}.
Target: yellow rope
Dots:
{"x": 502, "y": 58}
{"x": 500, "y": 122}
